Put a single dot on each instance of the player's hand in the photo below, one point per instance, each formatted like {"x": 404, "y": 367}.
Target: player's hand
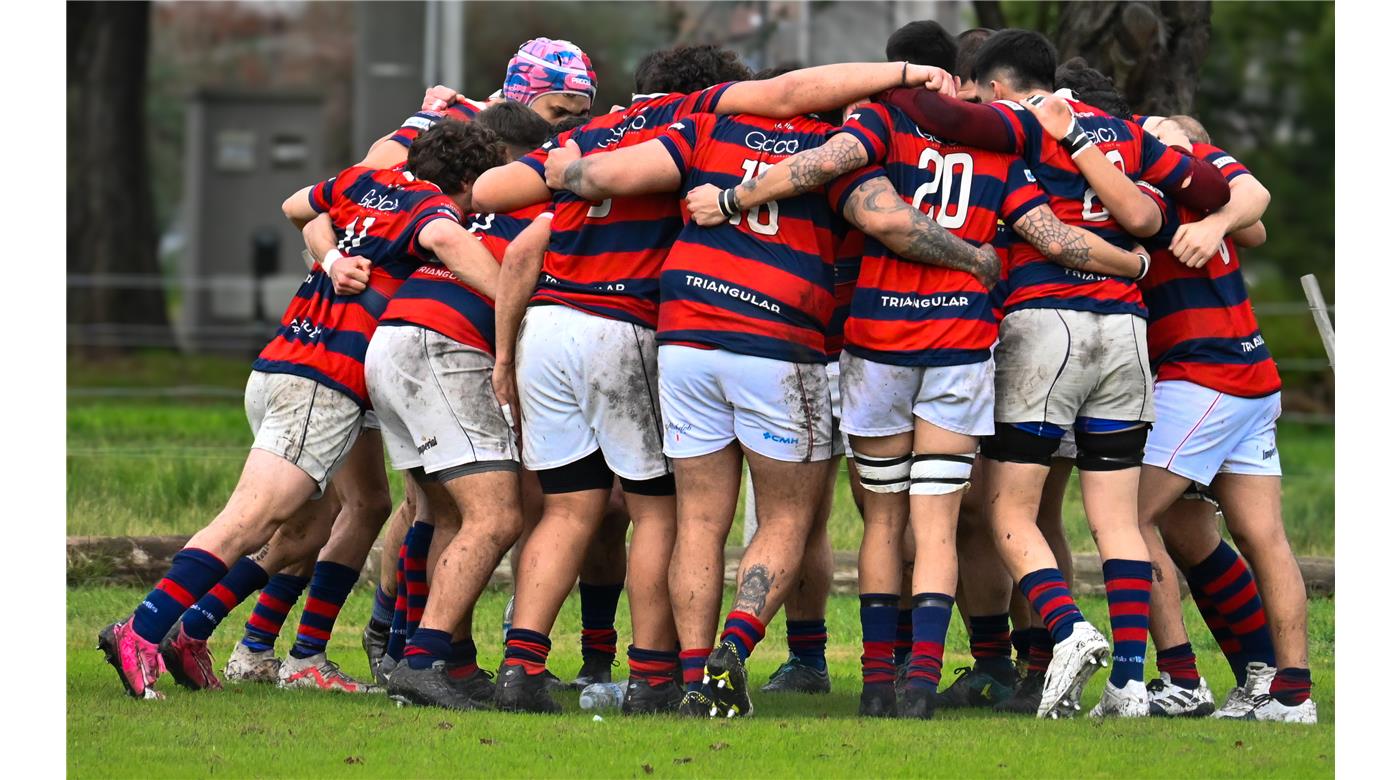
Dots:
{"x": 503, "y": 383}
{"x": 989, "y": 270}
{"x": 933, "y": 79}
{"x": 439, "y": 97}
{"x": 350, "y": 275}
{"x": 558, "y": 161}
{"x": 703, "y": 203}
{"x": 1195, "y": 243}
{"x": 1053, "y": 114}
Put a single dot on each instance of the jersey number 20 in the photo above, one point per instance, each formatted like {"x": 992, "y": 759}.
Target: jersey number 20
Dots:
{"x": 942, "y": 167}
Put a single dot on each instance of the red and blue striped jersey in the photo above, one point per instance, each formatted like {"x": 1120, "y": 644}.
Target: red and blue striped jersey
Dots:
{"x": 846, "y": 271}
{"x": 604, "y": 258}
{"x": 434, "y": 298}
{"x": 1200, "y": 324}
{"x": 377, "y": 215}
{"x": 914, "y": 314}
{"x": 416, "y": 124}
{"x": 1039, "y": 283}
{"x": 763, "y": 283}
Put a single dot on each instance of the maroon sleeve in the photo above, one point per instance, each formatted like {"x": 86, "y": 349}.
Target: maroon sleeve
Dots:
{"x": 1208, "y": 189}
{"x": 973, "y": 124}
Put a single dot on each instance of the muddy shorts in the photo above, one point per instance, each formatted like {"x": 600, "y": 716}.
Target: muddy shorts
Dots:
{"x": 303, "y": 422}
{"x": 882, "y": 399}
{"x": 710, "y": 397}
{"x": 588, "y": 383}
{"x": 436, "y": 405}
{"x": 841, "y": 443}
{"x": 1058, "y": 365}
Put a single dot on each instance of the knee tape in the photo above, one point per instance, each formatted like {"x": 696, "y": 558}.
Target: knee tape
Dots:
{"x": 884, "y": 475}
{"x": 1013, "y": 445}
{"x": 587, "y": 473}
{"x": 1111, "y": 451}
{"x": 937, "y": 475}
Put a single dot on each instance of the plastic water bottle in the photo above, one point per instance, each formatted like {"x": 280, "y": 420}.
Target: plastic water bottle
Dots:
{"x": 507, "y": 617}
{"x": 601, "y": 696}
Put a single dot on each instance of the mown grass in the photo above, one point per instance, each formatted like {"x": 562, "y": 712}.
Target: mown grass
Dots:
{"x": 257, "y": 731}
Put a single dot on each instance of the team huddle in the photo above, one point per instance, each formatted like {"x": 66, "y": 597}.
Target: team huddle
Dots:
{"x": 967, "y": 270}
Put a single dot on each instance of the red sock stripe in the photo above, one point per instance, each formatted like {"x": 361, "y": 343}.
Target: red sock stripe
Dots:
{"x": 653, "y": 672}
{"x": 224, "y": 595}
{"x": 274, "y": 603}
{"x": 693, "y": 663}
{"x": 321, "y": 607}
{"x": 410, "y": 649}
{"x": 262, "y": 624}
{"x": 1236, "y": 570}
{"x": 314, "y": 633}
{"x": 877, "y": 662}
{"x": 461, "y": 672}
{"x": 415, "y": 564}
{"x": 1238, "y": 600}
{"x": 1254, "y": 622}
{"x": 1129, "y": 634}
{"x": 175, "y": 591}
{"x": 1039, "y": 659}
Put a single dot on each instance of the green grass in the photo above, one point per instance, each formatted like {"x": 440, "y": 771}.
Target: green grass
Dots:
{"x": 143, "y": 466}
{"x": 261, "y": 731}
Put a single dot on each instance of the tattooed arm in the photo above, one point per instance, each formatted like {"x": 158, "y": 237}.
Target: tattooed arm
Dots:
{"x": 1074, "y": 247}
{"x": 633, "y": 170}
{"x": 797, "y": 174}
{"x": 878, "y": 211}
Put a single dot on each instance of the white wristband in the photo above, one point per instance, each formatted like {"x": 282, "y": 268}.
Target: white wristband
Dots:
{"x": 330, "y": 259}
{"x": 1146, "y": 264}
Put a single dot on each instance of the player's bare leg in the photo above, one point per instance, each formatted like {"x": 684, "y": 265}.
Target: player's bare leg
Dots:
{"x": 601, "y": 578}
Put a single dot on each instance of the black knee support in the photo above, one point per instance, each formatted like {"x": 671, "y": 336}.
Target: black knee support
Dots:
{"x": 587, "y": 473}
{"x": 664, "y": 485}
{"x": 1013, "y": 445}
{"x": 1110, "y": 451}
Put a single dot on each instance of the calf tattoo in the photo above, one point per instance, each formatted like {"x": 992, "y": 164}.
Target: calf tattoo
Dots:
{"x": 753, "y": 591}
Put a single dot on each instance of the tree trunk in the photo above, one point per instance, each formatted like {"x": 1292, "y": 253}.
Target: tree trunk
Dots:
{"x": 111, "y": 220}
{"x": 989, "y": 14}
{"x": 1153, "y": 51}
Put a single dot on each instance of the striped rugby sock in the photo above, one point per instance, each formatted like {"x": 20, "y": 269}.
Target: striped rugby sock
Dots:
{"x": 331, "y": 584}
{"x": 270, "y": 612}
{"x": 192, "y": 573}
{"x": 244, "y": 578}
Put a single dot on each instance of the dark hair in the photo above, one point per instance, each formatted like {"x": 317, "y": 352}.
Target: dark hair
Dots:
{"x": 1027, "y": 57}
{"x": 1092, "y": 87}
{"x": 969, "y": 43}
{"x": 515, "y": 124}
{"x": 568, "y": 123}
{"x": 777, "y": 70}
{"x": 644, "y": 74}
{"x": 452, "y": 154}
{"x": 923, "y": 42}
{"x": 692, "y": 68}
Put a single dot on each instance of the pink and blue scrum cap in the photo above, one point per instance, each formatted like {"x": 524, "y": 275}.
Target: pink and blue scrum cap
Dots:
{"x": 547, "y": 67}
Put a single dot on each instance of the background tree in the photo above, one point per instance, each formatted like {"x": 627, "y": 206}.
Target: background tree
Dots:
{"x": 111, "y": 227}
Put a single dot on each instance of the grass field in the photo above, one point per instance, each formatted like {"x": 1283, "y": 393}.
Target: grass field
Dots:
{"x": 260, "y": 731}
{"x": 166, "y": 465}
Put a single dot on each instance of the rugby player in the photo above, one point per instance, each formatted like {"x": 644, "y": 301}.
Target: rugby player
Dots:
{"x": 586, "y": 415}
{"x": 1083, "y": 333}
{"x": 306, "y": 396}
{"x": 1218, "y": 400}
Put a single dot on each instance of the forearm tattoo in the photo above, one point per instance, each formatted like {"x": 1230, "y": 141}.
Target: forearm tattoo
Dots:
{"x": 810, "y": 169}
{"x": 573, "y": 176}
{"x": 753, "y": 591}
{"x": 915, "y": 237}
{"x": 1056, "y": 240}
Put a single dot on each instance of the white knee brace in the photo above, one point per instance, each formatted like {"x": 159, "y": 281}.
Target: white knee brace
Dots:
{"x": 937, "y": 475}
{"x": 884, "y": 475}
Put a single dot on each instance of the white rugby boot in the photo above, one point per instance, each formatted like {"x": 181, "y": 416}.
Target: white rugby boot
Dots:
{"x": 250, "y": 666}
{"x": 1166, "y": 699}
{"x": 1075, "y": 660}
{"x": 1130, "y": 701}
{"x": 1242, "y": 700}
{"x": 1270, "y": 709}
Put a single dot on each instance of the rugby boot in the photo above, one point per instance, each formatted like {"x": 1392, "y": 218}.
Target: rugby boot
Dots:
{"x": 796, "y": 677}
{"x": 188, "y": 660}
{"x": 517, "y": 691}
{"x": 642, "y": 698}
{"x": 917, "y": 702}
{"x": 476, "y": 684}
{"x": 252, "y": 666}
{"x": 1130, "y": 701}
{"x": 137, "y": 661}
{"x": 597, "y": 668}
{"x": 728, "y": 682}
{"x": 1026, "y": 699}
{"x": 1270, "y": 709}
{"x": 375, "y": 640}
{"x": 981, "y": 685}
{"x": 1075, "y": 660}
{"x": 1242, "y": 700}
{"x": 878, "y": 701}
{"x": 697, "y": 704}
{"x": 319, "y": 673}
{"x": 1166, "y": 699}
{"x": 430, "y": 687}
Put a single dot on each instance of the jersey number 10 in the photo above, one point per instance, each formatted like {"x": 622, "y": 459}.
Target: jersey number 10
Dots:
{"x": 763, "y": 227}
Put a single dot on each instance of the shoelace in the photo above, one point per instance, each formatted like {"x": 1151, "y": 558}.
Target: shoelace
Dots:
{"x": 1156, "y": 686}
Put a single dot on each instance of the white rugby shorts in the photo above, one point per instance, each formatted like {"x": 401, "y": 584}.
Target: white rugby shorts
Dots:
{"x": 436, "y": 405}
{"x": 588, "y": 383}
{"x": 710, "y": 397}
{"x": 881, "y": 399}
{"x": 1201, "y": 432}
{"x": 841, "y": 443}
{"x": 303, "y": 422}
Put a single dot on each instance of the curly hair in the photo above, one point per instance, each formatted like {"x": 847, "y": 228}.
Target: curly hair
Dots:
{"x": 452, "y": 154}
{"x": 1092, "y": 87}
{"x": 691, "y": 68}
